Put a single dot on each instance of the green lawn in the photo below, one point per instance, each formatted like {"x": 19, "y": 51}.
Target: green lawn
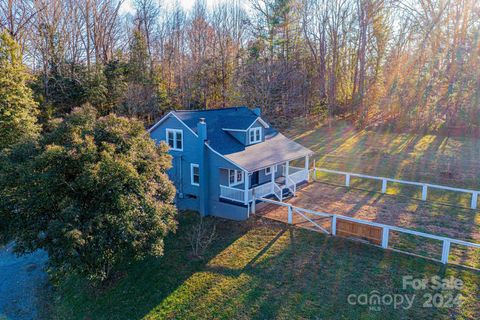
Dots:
{"x": 425, "y": 158}
{"x": 263, "y": 270}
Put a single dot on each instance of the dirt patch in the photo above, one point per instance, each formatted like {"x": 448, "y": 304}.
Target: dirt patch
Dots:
{"x": 398, "y": 211}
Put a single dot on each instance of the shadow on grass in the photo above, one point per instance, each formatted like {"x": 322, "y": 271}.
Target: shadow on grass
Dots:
{"x": 149, "y": 281}
{"x": 401, "y": 211}
{"x": 313, "y": 276}
{"x": 264, "y": 270}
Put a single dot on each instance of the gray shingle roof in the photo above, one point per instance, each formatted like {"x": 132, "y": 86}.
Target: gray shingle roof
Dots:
{"x": 275, "y": 149}
{"x": 231, "y": 118}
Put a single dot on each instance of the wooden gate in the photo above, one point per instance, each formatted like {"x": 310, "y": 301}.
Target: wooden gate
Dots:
{"x": 350, "y": 229}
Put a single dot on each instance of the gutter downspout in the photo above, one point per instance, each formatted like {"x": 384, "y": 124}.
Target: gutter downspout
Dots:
{"x": 202, "y": 165}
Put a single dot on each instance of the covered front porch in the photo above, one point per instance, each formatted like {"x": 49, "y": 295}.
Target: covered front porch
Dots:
{"x": 277, "y": 179}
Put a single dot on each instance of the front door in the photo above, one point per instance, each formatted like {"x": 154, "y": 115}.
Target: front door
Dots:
{"x": 254, "y": 181}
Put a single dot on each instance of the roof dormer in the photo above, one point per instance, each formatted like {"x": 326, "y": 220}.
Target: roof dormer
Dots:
{"x": 254, "y": 133}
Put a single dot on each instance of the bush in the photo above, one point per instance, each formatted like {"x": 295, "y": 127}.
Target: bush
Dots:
{"x": 200, "y": 236}
{"x": 92, "y": 192}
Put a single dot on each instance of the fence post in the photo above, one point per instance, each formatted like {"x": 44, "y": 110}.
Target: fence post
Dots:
{"x": 314, "y": 171}
{"x": 474, "y": 200}
{"x": 424, "y": 192}
{"x": 385, "y": 233}
{"x": 290, "y": 219}
{"x": 384, "y": 185}
{"x": 347, "y": 180}
{"x": 334, "y": 225}
{"x": 445, "y": 251}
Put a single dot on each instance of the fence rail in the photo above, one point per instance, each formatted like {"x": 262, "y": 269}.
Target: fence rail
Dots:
{"x": 425, "y": 186}
{"x": 386, "y": 229}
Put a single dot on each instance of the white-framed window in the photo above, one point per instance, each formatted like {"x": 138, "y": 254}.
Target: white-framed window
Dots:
{"x": 255, "y": 135}
{"x": 268, "y": 170}
{"x": 194, "y": 174}
{"x": 235, "y": 177}
{"x": 175, "y": 139}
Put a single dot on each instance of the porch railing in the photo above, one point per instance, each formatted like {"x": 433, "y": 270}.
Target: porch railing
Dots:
{"x": 291, "y": 170}
{"x": 299, "y": 176}
{"x": 233, "y": 194}
{"x": 291, "y": 185}
{"x": 238, "y": 195}
{"x": 278, "y": 192}
{"x": 264, "y": 189}
{"x": 296, "y": 176}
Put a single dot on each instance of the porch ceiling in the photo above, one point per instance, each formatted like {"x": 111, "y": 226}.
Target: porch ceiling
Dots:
{"x": 274, "y": 150}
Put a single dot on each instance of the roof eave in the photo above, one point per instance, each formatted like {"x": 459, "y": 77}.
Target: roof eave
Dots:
{"x": 165, "y": 117}
{"x": 251, "y": 169}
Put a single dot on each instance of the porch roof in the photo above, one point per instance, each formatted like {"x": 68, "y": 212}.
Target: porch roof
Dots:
{"x": 274, "y": 150}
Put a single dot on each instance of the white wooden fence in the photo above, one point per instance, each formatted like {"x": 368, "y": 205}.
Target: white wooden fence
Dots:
{"x": 386, "y": 229}
{"x": 425, "y": 186}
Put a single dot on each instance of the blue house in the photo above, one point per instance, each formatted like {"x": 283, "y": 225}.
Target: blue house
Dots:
{"x": 223, "y": 158}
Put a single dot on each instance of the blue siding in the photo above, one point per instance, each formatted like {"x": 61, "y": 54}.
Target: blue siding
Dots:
{"x": 218, "y": 172}
{"x": 239, "y": 135}
{"x": 243, "y": 136}
{"x": 264, "y": 178}
{"x": 180, "y": 171}
{"x": 256, "y": 124}
{"x": 216, "y": 169}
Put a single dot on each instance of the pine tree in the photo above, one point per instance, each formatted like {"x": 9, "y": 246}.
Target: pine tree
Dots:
{"x": 18, "y": 110}
{"x": 138, "y": 69}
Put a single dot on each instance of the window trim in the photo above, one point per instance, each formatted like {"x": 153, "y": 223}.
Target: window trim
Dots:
{"x": 254, "y": 131}
{"x": 275, "y": 170}
{"x": 236, "y": 181}
{"x": 174, "y": 131}
{"x": 192, "y": 166}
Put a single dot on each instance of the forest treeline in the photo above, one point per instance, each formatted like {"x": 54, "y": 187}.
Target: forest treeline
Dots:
{"x": 411, "y": 63}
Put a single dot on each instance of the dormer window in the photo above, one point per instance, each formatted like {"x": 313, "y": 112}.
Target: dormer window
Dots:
{"x": 255, "y": 135}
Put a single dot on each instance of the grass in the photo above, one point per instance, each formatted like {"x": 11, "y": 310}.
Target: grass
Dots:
{"x": 262, "y": 270}
{"x": 436, "y": 159}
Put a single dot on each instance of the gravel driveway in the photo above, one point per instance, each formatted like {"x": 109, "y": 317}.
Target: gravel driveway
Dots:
{"x": 21, "y": 281}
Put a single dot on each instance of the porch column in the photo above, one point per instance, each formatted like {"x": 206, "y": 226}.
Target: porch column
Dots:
{"x": 246, "y": 183}
{"x": 286, "y": 168}
{"x": 272, "y": 169}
